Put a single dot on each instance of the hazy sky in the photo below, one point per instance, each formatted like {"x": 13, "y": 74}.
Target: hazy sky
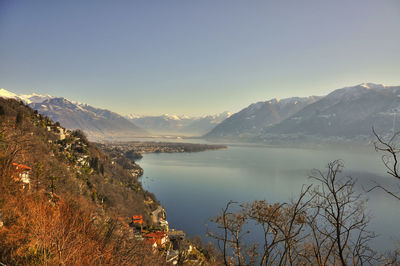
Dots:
{"x": 195, "y": 57}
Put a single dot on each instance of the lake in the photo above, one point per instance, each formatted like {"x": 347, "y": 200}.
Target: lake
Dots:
{"x": 193, "y": 187}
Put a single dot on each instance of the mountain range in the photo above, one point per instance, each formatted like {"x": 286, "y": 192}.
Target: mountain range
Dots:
{"x": 251, "y": 121}
{"x": 100, "y": 124}
{"x": 178, "y": 125}
{"x": 95, "y": 122}
{"x": 344, "y": 114}
{"x": 347, "y": 113}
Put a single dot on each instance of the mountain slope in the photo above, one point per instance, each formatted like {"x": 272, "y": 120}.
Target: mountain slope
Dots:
{"x": 349, "y": 112}
{"x": 251, "y": 121}
{"x": 26, "y": 98}
{"x": 8, "y": 94}
{"x": 69, "y": 194}
{"x": 96, "y": 123}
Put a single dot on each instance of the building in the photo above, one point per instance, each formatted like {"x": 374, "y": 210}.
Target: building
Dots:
{"x": 156, "y": 239}
{"x": 164, "y": 225}
{"x": 22, "y": 174}
{"x": 61, "y": 133}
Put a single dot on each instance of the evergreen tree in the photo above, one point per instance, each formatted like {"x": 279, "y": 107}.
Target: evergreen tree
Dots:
{"x": 18, "y": 119}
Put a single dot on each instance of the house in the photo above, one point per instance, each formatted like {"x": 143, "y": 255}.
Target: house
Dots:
{"x": 164, "y": 225}
{"x": 61, "y": 133}
{"x": 137, "y": 219}
{"x": 22, "y": 174}
{"x": 156, "y": 239}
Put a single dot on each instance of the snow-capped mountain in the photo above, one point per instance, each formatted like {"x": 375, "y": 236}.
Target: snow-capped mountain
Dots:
{"x": 163, "y": 124}
{"x": 346, "y": 113}
{"x": 7, "y": 94}
{"x": 27, "y": 98}
{"x": 251, "y": 121}
{"x": 204, "y": 124}
{"x": 34, "y": 98}
{"x": 178, "y": 124}
{"x": 96, "y": 123}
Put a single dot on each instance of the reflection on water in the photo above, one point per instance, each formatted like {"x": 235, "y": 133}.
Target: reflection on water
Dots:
{"x": 193, "y": 187}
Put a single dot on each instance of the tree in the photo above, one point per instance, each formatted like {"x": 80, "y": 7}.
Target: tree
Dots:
{"x": 18, "y": 118}
{"x": 102, "y": 169}
{"x": 390, "y": 151}
{"x": 390, "y": 158}
{"x": 283, "y": 226}
{"x": 53, "y": 185}
{"x": 325, "y": 225}
{"x": 38, "y": 174}
{"x": 94, "y": 163}
{"x": 81, "y": 135}
{"x": 338, "y": 221}
{"x": 231, "y": 224}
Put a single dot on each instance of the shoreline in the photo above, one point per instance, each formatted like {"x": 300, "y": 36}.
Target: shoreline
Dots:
{"x": 134, "y": 149}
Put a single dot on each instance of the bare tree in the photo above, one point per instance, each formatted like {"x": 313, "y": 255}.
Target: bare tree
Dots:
{"x": 325, "y": 225}
{"x": 284, "y": 231}
{"x": 338, "y": 221}
{"x": 231, "y": 224}
{"x": 390, "y": 152}
{"x": 283, "y": 226}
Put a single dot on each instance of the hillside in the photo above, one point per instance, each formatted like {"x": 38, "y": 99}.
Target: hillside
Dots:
{"x": 64, "y": 201}
{"x": 344, "y": 114}
{"x": 348, "y": 113}
{"x": 251, "y": 121}
{"x": 98, "y": 124}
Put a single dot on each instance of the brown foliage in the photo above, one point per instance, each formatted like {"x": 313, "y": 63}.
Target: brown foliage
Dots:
{"x": 38, "y": 231}
{"x": 325, "y": 225}
{"x": 64, "y": 227}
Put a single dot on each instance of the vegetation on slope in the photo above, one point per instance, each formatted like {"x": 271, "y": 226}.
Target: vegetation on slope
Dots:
{"x": 69, "y": 215}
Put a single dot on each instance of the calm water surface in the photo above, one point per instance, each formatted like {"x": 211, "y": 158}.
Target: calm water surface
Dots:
{"x": 193, "y": 187}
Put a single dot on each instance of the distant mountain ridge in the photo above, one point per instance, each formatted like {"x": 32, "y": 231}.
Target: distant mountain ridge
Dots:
{"x": 349, "y": 112}
{"x": 178, "y": 125}
{"x": 26, "y": 98}
{"x": 95, "y": 122}
{"x": 344, "y": 114}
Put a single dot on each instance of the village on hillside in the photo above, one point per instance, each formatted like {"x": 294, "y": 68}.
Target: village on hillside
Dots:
{"x": 155, "y": 232}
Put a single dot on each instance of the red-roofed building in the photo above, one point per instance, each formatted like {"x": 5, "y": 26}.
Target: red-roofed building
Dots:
{"x": 156, "y": 239}
{"x": 22, "y": 174}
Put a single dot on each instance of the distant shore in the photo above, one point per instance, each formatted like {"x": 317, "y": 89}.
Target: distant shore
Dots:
{"x": 143, "y": 147}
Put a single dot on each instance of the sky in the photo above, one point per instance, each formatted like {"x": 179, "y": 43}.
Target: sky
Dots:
{"x": 195, "y": 57}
